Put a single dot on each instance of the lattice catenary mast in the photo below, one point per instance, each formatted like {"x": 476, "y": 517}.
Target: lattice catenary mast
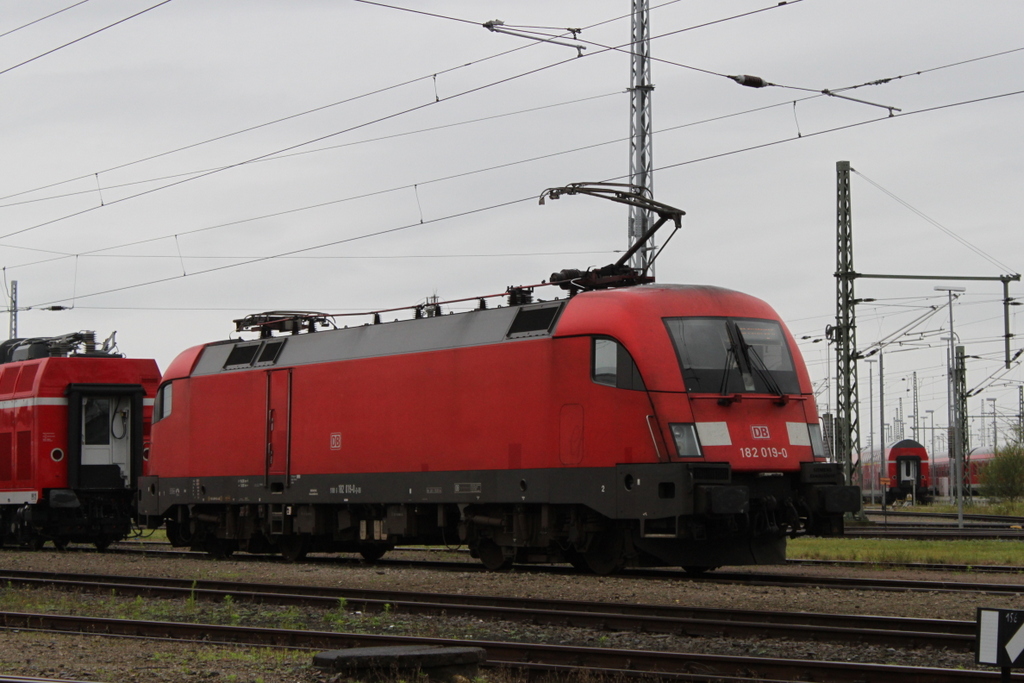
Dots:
{"x": 844, "y": 334}
{"x": 641, "y": 171}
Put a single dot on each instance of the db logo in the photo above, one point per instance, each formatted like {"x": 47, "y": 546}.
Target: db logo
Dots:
{"x": 760, "y": 432}
{"x": 336, "y": 441}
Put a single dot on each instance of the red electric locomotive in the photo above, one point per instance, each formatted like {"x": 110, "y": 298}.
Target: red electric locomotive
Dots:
{"x": 641, "y": 425}
{"x": 73, "y": 423}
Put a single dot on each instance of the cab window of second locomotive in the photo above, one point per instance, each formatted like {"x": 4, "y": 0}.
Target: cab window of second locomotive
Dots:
{"x": 613, "y": 366}
{"x": 96, "y": 421}
{"x": 162, "y": 404}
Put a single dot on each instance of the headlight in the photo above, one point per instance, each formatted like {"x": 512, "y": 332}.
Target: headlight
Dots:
{"x": 685, "y": 436}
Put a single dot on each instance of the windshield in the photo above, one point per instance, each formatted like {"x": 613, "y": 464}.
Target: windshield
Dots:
{"x": 733, "y": 355}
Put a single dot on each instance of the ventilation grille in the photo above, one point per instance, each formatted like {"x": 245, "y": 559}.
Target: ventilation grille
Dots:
{"x": 534, "y": 321}
{"x": 711, "y": 473}
{"x": 821, "y": 473}
{"x": 258, "y": 354}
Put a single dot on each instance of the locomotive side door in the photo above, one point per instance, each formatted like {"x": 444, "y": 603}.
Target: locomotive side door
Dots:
{"x": 106, "y": 436}
{"x": 279, "y": 417}
{"x": 105, "y": 430}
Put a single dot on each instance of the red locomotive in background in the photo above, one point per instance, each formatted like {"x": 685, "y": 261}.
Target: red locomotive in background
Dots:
{"x": 73, "y": 423}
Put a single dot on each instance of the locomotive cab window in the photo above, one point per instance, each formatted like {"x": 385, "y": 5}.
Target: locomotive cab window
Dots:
{"x": 613, "y": 366}
{"x": 733, "y": 355}
{"x": 163, "y": 402}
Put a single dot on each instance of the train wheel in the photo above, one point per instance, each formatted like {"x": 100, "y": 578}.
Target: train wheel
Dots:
{"x": 60, "y": 543}
{"x": 218, "y": 548}
{"x": 492, "y": 556}
{"x": 697, "y": 571}
{"x": 293, "y": 548}
{"x": 578, "y": 562}
{"x": 36, "y": 543}
{"x": 372, "y": 553}
{"x": 606, "y": 554}
{"x": 102, "y": 543}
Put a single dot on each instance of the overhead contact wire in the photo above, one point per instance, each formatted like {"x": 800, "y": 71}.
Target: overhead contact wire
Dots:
{"x": 278, "y": 157}
{"x": 292, "y": 147}
{"x": 36, "y": 21}
{"x": 935, "y": 223}
{"x": 275, "y": 121}
{"x": 62, "y": 255}
{"x": 88, "y": 35}
{"x": 301, "y": 250}
{"x": 316, "y": 109}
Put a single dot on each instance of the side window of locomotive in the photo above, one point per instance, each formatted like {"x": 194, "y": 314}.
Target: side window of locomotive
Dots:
{"x": 613, "y": 366}
{"x": 162, "y": 404}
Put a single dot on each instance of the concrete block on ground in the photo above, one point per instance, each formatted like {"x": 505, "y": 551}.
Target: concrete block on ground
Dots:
{"x": 437, "y": 663}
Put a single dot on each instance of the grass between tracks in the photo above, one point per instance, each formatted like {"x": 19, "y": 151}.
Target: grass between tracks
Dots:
{"x": 888, "y": 550}
{"x": 340, "y": 618}
{"x": 1007, "y": 508}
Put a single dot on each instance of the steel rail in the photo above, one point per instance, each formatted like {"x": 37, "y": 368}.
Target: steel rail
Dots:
{"x": 932, "y": 532}
{"x": 1004, "y": 519}
{"x": 670, "y": 573}
{"x": 509, "y": 654}
{"x": 859, "y": 583}
{"x": 127, "y": 546}
{"x": 922, "y": 566}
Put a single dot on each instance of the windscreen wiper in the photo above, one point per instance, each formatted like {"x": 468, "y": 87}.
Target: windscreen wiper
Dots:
{"x": 738, "y": 348}
{"x": 723, "y": 389}
{"x": 760, "y": 367}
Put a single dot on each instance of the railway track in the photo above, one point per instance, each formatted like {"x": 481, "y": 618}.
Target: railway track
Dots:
{"x": 969, "y": 517}
{"x": 922, "y": 566}
{"x": 764, "y": 578}
{"x": 672, "y": 619}
{"x": 539, "y": 657}
{"x": 933, "y": 531}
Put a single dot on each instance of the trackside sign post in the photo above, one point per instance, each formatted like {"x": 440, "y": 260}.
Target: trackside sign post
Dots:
{"x": 1000, "y": 639}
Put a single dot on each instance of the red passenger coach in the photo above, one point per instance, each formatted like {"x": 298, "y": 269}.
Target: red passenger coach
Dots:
{"x": 909, "y": 473}
{"x": 644, "y": 425}
{"x": 73, "y": 423}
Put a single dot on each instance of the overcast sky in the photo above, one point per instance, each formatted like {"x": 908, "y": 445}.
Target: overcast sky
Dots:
{"x": 409, "y": 151}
